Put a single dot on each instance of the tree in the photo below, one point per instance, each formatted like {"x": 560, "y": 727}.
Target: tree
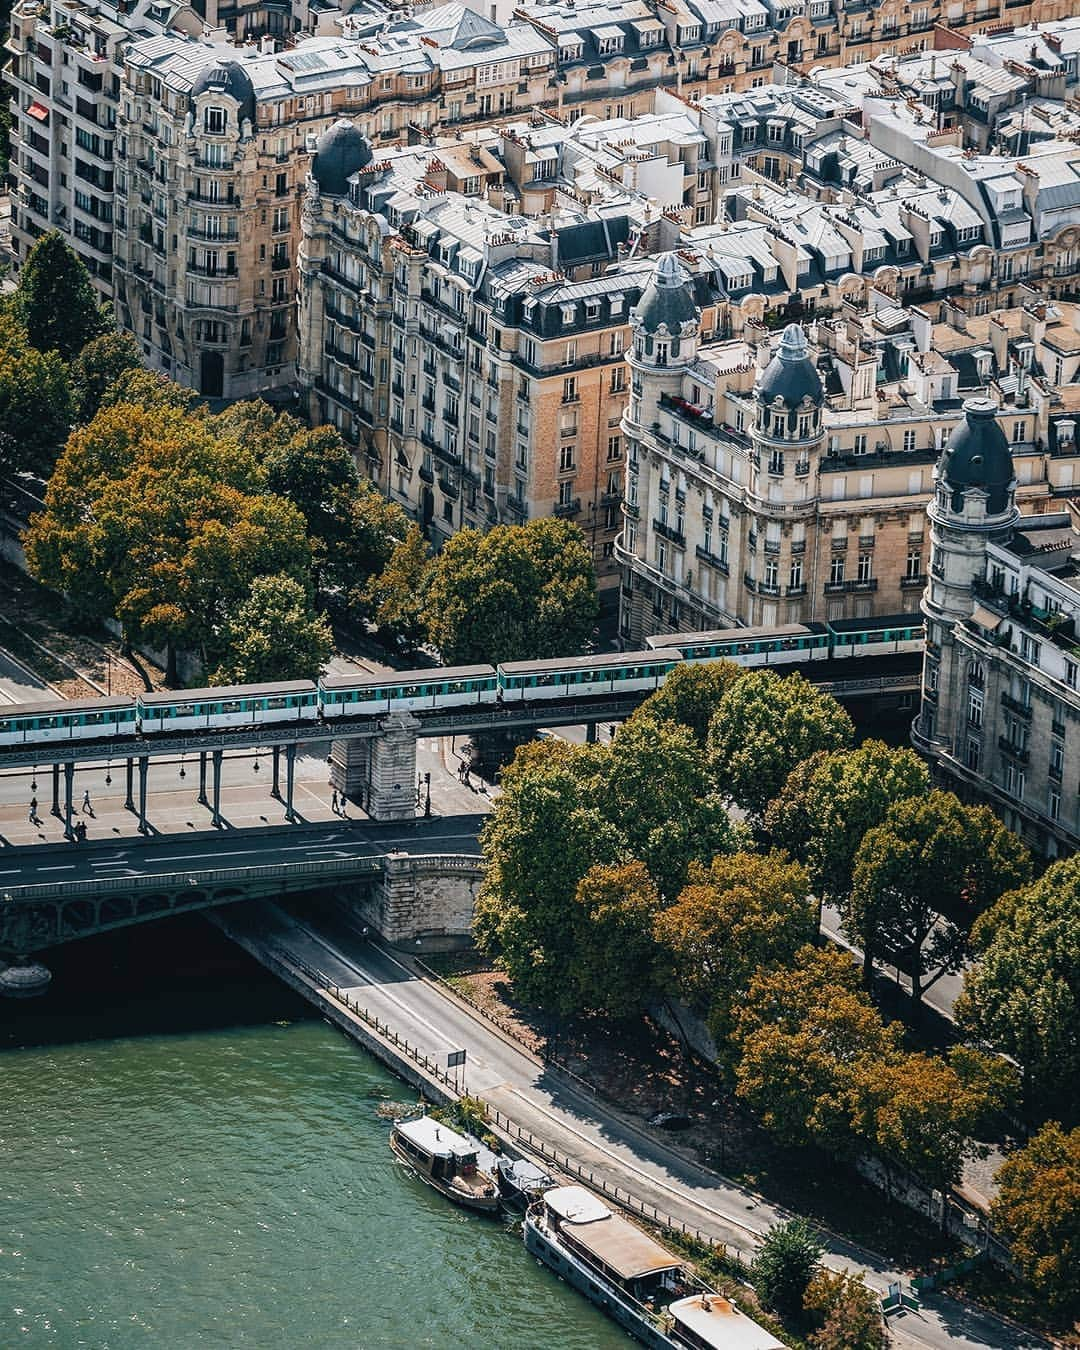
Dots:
{"x": 690, "y": 696}
{"x": 148, "y": 389}
{"x": 803, "y": 1034}
{"x": 519, "y": 592}
{"x": 97, "y": 368}
{"x": 1022, "y": 996}
{"x": 743, "y": 913}
{"x": 614, "y": 964}
{"x": 395, "y": 596}
{"x": 35, "y": 402}
{"x": 785, "y": 1264}
{"x": 847, "y": 1313}
{"x": 923, "y": 877}
{"x": 55, "y": 300}
{"x": 151, "y": 518}
{"x": 830, "y": 800}
{"x": 1037, "y": 1211}
{"x": 274, "y": 635}
{"x": 765, "y": 726}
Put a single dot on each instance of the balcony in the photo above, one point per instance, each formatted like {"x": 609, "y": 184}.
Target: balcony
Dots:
{"x": 669, "y": 532}
{"x": 796, "y": 590}
{"x": 916, "y": 583}
{"x": 1013, "y": 705}
{"x": 1016, "y": 752}
{"x": 567, "y": 510}
{"x": 749, "y": 582}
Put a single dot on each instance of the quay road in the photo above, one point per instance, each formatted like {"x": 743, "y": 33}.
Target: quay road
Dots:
{"x": 596, "y": 1135}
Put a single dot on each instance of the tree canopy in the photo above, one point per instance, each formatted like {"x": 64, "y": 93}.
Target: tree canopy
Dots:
{"x": 97, "y": 368}
{"x": 785, "y": 1264}
{"x": 741, "y": 913}
{"x": 923, "y": 877}
{"x": 519, "y": 592}
{"x": 690, "y": 696}
{"x": 55, "y": 299}
{"x": 35, "y": 402}
{"x": 394, "y": 597}
{"x": 614, "y": 967}
{"x": 765, "y": 726}
{"x": 1022, "y": 995}
{"x": 1037, "y": 1211}
{"x": 274, "y": 634}
{"x": 847, "y": 1314}
{"x": 830, "y": 800}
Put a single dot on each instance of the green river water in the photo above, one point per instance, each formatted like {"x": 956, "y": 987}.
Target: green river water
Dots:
{"x": 223, "y": 1178}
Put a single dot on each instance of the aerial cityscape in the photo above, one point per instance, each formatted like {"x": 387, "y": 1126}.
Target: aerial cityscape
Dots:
{"x": 540, "y": 674}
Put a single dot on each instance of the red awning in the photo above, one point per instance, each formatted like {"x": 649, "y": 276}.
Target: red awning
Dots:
{"x": 38, "y": 111}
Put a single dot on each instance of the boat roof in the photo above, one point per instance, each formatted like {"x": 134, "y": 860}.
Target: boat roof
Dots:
{"x": 597, "y": 661}
{"x": 426, "y": 675}
{"x": 524, "y": 1174}
{"x": 226, "y": 692}
{"x": 716, "y": 1321}
{"x": 622, "y": 1247}
{"x": 575, "y": 1204}
{"x": 435, "y": 1138}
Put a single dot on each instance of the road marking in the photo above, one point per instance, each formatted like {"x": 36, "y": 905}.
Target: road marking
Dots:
{"x": 65, "y": 867}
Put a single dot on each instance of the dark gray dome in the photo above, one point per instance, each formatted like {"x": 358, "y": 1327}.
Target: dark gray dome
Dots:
{"x": 978, "y": 455}
{"x": 339, "y": 153}
{"x": 228, "y": 77}
{"x": 791, "y": 375}
{"x": 668, "y": 300}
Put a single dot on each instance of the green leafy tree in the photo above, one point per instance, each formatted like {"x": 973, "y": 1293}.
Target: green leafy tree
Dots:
{"x": 1037, "y": 1211}
{"x": 614, "y": 966}
{"x": 742, "y": 913}
{"x": 923, "y": 877}
{"x": 786, "y": 1262}
{"x": 690, "y": 696}
{"x": 803, "y": 1035}
{"x": 519, "y": 592}
{"x": 830, "y": 800}
{"x": 151, "y": 518}
{"x": 847, "y": 1313}
{"x": 35, "y": 402}
{"x": 148, "y": 389}
{"x": 1022, "y": 995}
{"x": 765, "y": 726}
{"x": 274, "y": 634}
{"x": 395, "y": 596}
{"x": 55, "y": 299}
{"x": 97, "y": 368}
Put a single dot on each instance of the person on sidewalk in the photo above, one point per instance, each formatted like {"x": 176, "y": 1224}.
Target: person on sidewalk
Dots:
{"x": 87, "y": 809}
{"x": 334, "y": 802}
{"x": 33, "y": 812}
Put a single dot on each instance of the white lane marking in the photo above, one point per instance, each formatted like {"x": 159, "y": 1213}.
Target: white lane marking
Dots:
{"x": 65, "y": 867}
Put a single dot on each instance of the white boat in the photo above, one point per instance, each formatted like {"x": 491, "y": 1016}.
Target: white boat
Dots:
{"x": 633, "y": 1278}
{"x": 446, "y": 1160}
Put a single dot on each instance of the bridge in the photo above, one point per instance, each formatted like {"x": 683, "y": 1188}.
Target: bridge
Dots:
{"x": 51, "y": 895}
{"x": 373, "y": 759}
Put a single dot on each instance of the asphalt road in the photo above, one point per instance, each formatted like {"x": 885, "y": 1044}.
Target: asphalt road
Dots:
{"x": 620, "y": 1149}
{"x": 20, "y": 685}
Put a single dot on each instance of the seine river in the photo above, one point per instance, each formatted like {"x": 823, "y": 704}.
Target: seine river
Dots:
{"x": 222, "y": 1178}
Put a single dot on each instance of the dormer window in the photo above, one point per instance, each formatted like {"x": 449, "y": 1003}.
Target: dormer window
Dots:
{"x": 214, "y": 121}
{"x": 570, "y": 51}
{"x": 592, "y": 310}
{"x": 690, "y": 32}
{"x": 569, "y": 315}
{"x": 615, "y": 305}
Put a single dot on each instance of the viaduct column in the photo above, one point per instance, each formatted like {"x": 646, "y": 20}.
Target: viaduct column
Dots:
{"x": 350, "y": 766}
{"x": 392, "y": 771}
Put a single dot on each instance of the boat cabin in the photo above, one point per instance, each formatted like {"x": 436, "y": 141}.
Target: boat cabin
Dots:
{"x": 437, "y": 1149}
{"x": 711, "y": 1322}
{"x": 611, "y": 1245}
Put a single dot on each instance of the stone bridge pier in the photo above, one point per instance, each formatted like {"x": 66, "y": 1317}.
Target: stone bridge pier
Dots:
{"x": 379, "y": 772}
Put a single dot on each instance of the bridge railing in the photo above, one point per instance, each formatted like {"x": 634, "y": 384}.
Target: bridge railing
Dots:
{"x": 216, "y": 876}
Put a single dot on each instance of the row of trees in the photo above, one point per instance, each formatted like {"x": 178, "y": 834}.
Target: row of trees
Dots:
{"x": 616, "y": 879}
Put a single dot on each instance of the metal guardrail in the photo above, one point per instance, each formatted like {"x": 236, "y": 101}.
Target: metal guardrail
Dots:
{"x": 217, "y": 876}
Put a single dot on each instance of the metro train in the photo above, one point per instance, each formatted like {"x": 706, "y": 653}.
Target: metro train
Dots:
{"x": 513, "y": 682}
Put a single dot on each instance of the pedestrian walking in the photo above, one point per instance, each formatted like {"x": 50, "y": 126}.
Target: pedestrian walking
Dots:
{"x": 87, "y": 809}
{"x": 33, "y": 811}
{"x": 334, "y": 802}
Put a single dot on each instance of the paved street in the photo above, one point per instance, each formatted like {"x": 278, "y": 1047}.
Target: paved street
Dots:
{"x": 615, "y": 1147}
{"x": 20, "y": 685}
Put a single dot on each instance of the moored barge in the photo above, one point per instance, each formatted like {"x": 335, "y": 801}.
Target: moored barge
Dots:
{"x": 447, "y": 1161}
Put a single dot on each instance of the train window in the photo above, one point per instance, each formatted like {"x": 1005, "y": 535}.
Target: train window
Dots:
{"x": 6, "y": 726}
{"x": 545, "y": 681}
{"x": 456, "y": 687}
{"x": 44, "y": 723}
{"x": 278, "y": 702}
{"x": 93, "y": 719}
{"x": 410, "y": 691}
{"x": 232, "y": 706}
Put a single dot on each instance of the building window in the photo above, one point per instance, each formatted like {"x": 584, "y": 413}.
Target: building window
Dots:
{"x": 914, "y": 564}
{"x": 771, "y": 575}
{"x": 860, "y": 444}
{"x": 796, "y": 573}
{"x": 1014, "y": 781}
{"x": 1018, "y": 433}
{"x": 1030, "y": 649}
{"x": 214, "y": 121}
{"x": 566, "y": 459}
{"x": 569, "y": 389}
{"x": 1070, "y": 673}
{"x": 975, "y": 708}
{"x": 614, "y": 447}
{"x": 776, "y": 462}
{"x": 836, "y": 572}
{"x": 866, "y": 566}
{"x": 974, "y": 755}
{"x": 909, "y": 440}
{"x": 566, "y": 492}
{"x": 1057, "y": 759}
{"x": 1053, "y": 804}
{"x": 618, "y": 379}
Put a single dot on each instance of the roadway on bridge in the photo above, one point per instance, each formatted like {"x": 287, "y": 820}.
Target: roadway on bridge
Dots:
{"x": 20, "y": 685}
{"x": 614, "y": 1145}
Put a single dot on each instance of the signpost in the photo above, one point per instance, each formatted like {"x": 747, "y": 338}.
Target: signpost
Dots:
{"x": 456, "y": 1059}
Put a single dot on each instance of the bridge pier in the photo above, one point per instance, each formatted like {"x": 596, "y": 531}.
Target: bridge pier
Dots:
{"x": 56, "y": 790}
{"x": 392, "y": 769}
{"x": 290, "y": 772}
{"x": 215, "y": 811}
{"x": 350, "y": 765}
{"x": 275, "y": 786}
{"x": 590, "y": 733}
{"x": 144, "y": 772}
{"x": 69, "y": 782}
{"x": 494, "y": 749}
{"x": 129, "y": 800}
{"x": 202, "y": 778}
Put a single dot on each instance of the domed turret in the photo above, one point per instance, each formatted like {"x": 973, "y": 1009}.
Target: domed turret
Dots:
{"x": 667, "y": 303}
{"x": 978, "y": 456}
{"x": 791, "y": 375}
{"x": 339, "y": 153}
{"x": 231, "y": 79}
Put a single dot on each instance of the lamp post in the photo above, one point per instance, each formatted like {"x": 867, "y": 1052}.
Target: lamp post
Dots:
{"x": 427, "y": 796}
